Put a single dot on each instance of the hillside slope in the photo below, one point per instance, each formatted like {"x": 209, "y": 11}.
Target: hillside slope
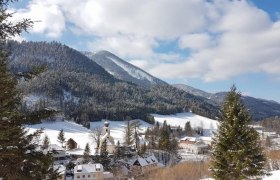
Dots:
{"x": 123, "y": 70}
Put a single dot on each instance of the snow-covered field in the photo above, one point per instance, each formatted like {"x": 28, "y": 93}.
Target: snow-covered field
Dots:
{"x": 195, "y": 120}
{"x": 81, "y": 134}
{"x": 275, "y": 175}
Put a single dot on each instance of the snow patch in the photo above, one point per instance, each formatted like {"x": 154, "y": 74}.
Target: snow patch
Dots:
{"x": 136, "y": 73}
{"x": 275, "y": 175}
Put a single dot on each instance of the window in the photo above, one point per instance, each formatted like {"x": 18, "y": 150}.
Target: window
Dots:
{"x": 84, "y": 176}
{"x": 78, "y": 176}
{"x": 88, "y": 176}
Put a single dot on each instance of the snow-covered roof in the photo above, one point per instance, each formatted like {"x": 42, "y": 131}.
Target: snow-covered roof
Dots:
{"x": 152, "y": 159}
{"x": 55, "y": 147}
{"x": 88, "y": 168}
{"x": 146, "y": 161}
{"x": 188, "y": 138}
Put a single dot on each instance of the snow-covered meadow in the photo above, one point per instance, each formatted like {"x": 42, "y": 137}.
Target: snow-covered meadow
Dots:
{"x": 82, "y": 136}
{"x": 79, "y": 133}
{"x": 195, "y": 120}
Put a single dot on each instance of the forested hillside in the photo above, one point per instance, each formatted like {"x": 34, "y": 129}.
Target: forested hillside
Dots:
{"x": 123, "y": 70}
{"x": 84, "y": 91}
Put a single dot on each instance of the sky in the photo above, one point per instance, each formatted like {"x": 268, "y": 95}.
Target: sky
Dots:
{"x": 207, "y": 44}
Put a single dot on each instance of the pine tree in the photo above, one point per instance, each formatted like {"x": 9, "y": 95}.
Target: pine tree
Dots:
{"x": 118, "y": 152}
{"x": 136, "y": 134}
{"x": 164, "y": 139}
{"x": 143, "y": 149}
{"x": 188, "y": 129}
{"x": 104, "y": 156}
{"x": 86, "y": 155}
{"x": 20, "y": 157}
{"x": 46, "y": 142}
{"x": 237, "y": 153}
{"x": 128, "y": 134}
{"x": 61, "y": 137}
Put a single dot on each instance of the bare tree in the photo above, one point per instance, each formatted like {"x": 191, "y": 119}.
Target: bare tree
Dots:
{"x": 96, "y": 136}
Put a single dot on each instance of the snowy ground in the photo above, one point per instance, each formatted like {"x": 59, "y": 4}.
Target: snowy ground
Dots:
{"x": 79, "y": 133}
{"x": 180, "y": 119}
{"x": 275, "y": 175}
{"x": 82, "y": 135}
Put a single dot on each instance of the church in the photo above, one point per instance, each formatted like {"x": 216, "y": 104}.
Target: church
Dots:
{"x": 105, "y": 136}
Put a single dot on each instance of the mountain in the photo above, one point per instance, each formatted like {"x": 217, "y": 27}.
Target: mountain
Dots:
{"x": 259, "y": 108}
{"x": 123, "y": 70}
{"x": 84, "y": 91}
{"x": 193, "y": 90}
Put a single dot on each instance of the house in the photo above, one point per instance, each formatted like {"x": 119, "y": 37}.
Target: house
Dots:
{"x": 61, "y": 170}
{"x": 195, "y": 148}
{"x": 189, "y": 140}
{"x": 105, "y": 136}
{"x": 142, "y": 165}
{"x": 91, "y": 172}
{"x": 57, "y": 152}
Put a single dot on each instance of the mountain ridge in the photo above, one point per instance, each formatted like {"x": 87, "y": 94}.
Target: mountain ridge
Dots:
{"x": 259, "y": 108}
{"x": 123, "y": 70}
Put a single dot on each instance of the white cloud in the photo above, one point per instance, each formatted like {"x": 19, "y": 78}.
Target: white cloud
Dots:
{"x": 125, "y": 45}
{"x": 49, "y": 18}
{"x": 226, "y": 38}
{"x": 195, "y": 41}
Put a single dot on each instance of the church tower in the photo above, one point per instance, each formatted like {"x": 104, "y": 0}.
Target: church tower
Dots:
{"x": 105, "y": 136}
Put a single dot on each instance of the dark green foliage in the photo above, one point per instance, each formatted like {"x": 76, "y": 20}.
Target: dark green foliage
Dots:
{"x": 8, "y": 28}
{"x": 164, "y": 139}
{"x": 86, "y": 155}
{"x": 46, "y": 142}
{"x": 128, "y": 133}
{"x": 104, "y": 156}
{"x": 61, "y": 138}
{"x": 118, "y": 152}
{"x": 19, "y": 154}
{"x": 136, "y": 130}
{"x": 237, "y": 153}
{"x": 143, "y": 149}
{"x": 188, "y": 129}
{"x": 20, "y": 157}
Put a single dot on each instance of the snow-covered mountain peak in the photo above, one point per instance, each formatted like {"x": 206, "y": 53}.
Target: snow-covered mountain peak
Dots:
{"x": 123, "y": 70}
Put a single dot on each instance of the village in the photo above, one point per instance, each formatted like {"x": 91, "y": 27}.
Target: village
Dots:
{"x": 136, "y": 160}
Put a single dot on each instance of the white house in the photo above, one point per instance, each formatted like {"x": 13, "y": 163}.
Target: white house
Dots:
{"x": 105, "y": 136}
{"x": 91, "y": 172}
{"x": 196, "y": 145}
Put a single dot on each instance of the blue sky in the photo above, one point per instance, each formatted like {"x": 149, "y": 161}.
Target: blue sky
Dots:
{"x": 206, "y": 44}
